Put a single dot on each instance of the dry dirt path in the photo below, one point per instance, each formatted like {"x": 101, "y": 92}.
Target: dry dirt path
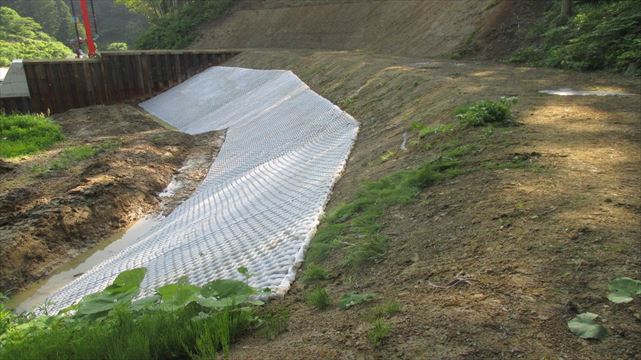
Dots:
{"x": 531, "y": 244}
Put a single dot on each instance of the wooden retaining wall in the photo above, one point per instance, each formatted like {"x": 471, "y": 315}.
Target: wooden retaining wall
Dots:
{"x": 59, "y": 85}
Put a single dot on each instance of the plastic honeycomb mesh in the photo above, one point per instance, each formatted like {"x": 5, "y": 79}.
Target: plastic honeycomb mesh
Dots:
{"x": 263, "y": 196}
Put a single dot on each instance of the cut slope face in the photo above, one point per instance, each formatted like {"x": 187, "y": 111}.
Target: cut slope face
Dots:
{"x": 261, "y": 200}
{"x": 410, "y": 28}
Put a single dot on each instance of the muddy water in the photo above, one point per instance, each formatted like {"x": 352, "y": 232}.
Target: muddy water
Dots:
{"x": 37, "y": 293}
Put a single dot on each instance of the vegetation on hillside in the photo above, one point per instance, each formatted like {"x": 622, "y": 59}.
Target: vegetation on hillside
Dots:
{"x": 116, "y": 23}
{"x": 23, "y": 38}
{"x": 53, "y": 15}
{"x": 601, "y": 34}
{"x": 176, "y": 27}
{"x": 179, "y": 321}
{"x": 26, "y": 134}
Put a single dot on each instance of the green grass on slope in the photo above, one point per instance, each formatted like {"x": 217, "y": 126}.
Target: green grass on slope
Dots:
{"x": 26, "y": 134}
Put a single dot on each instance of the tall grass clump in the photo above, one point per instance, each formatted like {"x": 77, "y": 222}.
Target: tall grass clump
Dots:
{"x": 26, "y": 134}
{"x": 318, "y": 298}
{"x": 379, "y": 331}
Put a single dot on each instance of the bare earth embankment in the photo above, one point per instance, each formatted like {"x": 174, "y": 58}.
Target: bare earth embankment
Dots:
{"x": 105, "y": 175}
{"x": 491, "y": 263}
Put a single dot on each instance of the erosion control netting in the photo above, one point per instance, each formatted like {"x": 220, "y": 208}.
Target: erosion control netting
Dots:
{"x": 261, "y": 201}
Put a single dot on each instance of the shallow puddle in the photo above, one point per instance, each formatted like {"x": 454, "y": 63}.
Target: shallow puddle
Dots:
{"x": 571, "y": 92}
{"x": 38, "y": 292}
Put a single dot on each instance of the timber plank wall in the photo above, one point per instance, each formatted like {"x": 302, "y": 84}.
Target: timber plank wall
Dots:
{"x": 56, "y": 86}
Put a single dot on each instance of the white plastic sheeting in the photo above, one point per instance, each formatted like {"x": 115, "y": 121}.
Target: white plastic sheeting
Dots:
{"x": 261, "y": 201}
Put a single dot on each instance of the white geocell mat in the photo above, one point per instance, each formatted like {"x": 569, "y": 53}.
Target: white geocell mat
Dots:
{"x": 261, "y": 201}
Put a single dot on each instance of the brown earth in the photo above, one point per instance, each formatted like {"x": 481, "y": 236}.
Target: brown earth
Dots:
{"x": 48, "y": 216}
{"x": 492, "y": 263}
{"x": 422, "y": 28}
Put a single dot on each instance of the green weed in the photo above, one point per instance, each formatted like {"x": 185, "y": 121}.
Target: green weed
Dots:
{"x": 486, "y": 112}
{"x": 26, "y": 134}
{"x": 318, "y": 298}
{"x": 274, "y": 323}
{"x": 388, "y": 155}
{"x": 353, "y": 298}
{"x": 314, "y": 273}
{"x": 380, "y": 330}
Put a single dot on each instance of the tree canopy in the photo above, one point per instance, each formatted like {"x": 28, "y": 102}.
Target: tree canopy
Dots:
{"x": 23, "y": 38}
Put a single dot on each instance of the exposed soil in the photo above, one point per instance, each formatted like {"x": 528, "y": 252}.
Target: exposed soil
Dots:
{"x": 46, "y": 217}
{"x": 493, "y": 263}
{"x": 425, "y": 28}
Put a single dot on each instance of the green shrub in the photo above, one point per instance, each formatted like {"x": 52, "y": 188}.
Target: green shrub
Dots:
{"x": 486, "y": 112}
{"x": 117, "y": 46}
{"x": 26, "y": 134}
{"x": 600, "y": 35}
{"x": 23, "y": 38}
{"x": 177, "y": 30}
{"x": 318, "y": 298}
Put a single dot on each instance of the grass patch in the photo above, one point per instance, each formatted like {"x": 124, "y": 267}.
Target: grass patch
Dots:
{"x": 355, "y": 226}
{"x": 382, "y": 311}
{"x": 318, "y": 298}
{"x": 486, "y": 112}
{"x": 380, "y": 330}
{"x": 26, "y": 134}
{"x": 314, "y": 273}
{"x": 72, "y": 155}
{"x": 425, "y": 131}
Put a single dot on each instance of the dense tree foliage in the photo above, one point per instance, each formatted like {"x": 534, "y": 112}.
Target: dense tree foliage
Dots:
{"x": 53, "y": 15}
{"x": 156, "y": 9}
{"x": 23, "y": 38}
{"x": 115, "y": 22}
{"x": 177, "y": 28}
{"x": 600, "y": 34}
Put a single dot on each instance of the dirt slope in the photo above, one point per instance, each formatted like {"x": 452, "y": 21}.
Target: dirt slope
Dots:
{"x": 425, "y": 28}
{"x": 493, "y": 263}
{"x": 47, "y": 216}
